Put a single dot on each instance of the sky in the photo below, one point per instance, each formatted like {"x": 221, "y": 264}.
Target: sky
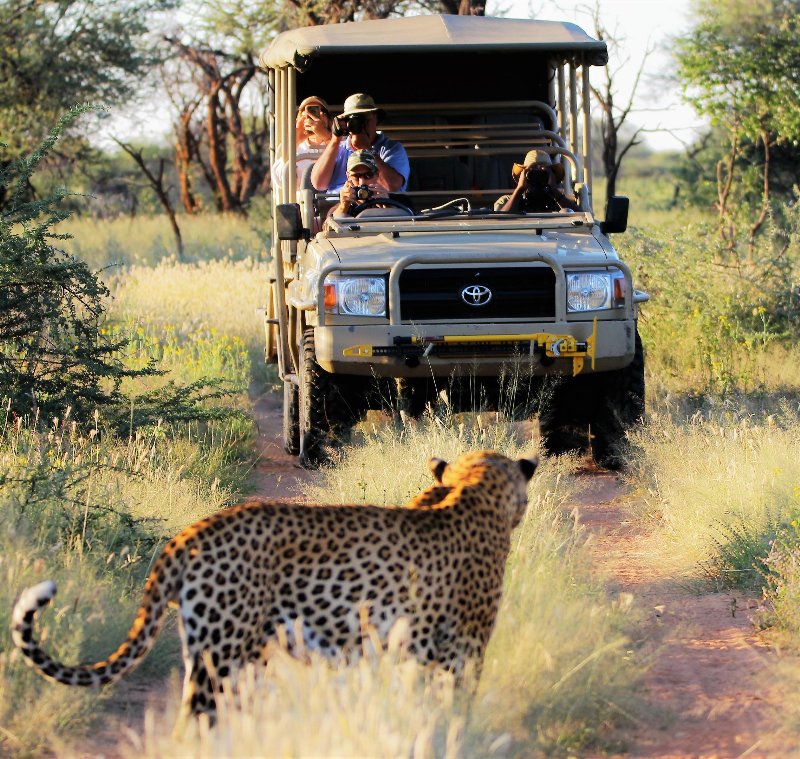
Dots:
{"x": 636, "y": 24}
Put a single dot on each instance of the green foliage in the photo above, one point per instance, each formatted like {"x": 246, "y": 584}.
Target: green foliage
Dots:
{"x": 741, "y": 65}
{"x": 782, "y": 578}
{"x": 53, "y": 352}
{"x": 56, "y": 53}
{"x": 712, "y": 327}
{"x": 739, "y": 555}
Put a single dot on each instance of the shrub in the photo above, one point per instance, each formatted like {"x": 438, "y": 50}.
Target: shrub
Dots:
{"x": 53, "y": 353}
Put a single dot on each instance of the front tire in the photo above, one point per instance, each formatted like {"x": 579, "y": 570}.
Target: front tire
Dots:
{"x": 325, "y": 412}
{"x": 621, "y": 406}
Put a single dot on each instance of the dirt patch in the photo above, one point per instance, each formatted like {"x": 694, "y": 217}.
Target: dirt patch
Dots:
{"x": 706, "y": 686}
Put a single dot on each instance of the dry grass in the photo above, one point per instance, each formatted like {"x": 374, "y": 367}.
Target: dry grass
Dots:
{"x": 704, "y": 476}
{"x": 148, "y": 240}
{"x": 89, "y": 513}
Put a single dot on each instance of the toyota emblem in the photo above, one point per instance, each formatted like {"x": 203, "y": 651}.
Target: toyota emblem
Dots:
{"x": 476, "y": 295}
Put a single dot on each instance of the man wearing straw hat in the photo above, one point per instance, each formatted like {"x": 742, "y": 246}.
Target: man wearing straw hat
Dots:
{"x": 357, "y": 129}
{"x": 538, "y": 187}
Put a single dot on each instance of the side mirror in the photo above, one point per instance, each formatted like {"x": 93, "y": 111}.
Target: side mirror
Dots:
{"x": 288, "y": 223}
{"x": 616, "y": 215}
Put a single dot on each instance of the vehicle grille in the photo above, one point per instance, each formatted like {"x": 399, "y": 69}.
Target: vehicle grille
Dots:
{"x": 518, "y": 292}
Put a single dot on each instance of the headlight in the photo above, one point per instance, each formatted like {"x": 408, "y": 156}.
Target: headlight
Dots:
{"x": 594, "y": 291}
{"x": 355, "y": 296}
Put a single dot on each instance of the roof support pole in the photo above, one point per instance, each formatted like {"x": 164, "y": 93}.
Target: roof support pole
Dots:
{"x": 573, "y": 116}
{"x": 587, "y": 129}
{"x": 562, "y": 101}
{"x": 291, "y": 146}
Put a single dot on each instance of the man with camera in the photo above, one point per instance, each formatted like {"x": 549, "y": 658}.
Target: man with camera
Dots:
{"x": 538, "y": 187}
{"x": 357, "y": 129}
{"x": 362, "y": 184}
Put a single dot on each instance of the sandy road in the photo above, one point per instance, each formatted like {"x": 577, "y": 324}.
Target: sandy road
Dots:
{"x": 709, "y": 665}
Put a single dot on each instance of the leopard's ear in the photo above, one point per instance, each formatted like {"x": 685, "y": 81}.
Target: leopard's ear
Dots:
{"x": 528, "y": 466}
{"x": 437, "y": 467}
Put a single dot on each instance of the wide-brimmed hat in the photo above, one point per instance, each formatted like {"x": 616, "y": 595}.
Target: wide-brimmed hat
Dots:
{"x": 362, "y": 158}
{"x": 537, "y": 155}
{"x": 360, "y": 103}
{"x": 314, "y": 100}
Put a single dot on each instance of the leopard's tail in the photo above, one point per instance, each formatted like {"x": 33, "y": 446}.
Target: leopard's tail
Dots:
{"x": 140, "y": 640}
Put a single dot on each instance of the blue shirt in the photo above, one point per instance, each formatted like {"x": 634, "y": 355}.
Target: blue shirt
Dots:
{"x": 389, "y": 151}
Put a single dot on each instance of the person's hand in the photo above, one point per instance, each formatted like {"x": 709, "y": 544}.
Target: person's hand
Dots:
{"x": 299, "y": 128}
{"x": 522, "y": 182}
{"x": 347, "y": 195}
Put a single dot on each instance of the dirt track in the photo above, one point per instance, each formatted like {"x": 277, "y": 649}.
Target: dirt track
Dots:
{"x": 705, "y": 685}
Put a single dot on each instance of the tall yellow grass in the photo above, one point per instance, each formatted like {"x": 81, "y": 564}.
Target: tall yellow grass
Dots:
{"x": 68, "y": 509}
{"x": 147, "y": 240}
{"x": 700, "y": 476}
{"x": 221, "y": 295}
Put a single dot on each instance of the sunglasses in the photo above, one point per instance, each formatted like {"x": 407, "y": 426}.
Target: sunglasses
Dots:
{"x": 315, "y": 111}
{"x": 363, "y": 175}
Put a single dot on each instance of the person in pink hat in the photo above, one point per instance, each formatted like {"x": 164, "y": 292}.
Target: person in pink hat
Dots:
{"x": 312, "y": 134}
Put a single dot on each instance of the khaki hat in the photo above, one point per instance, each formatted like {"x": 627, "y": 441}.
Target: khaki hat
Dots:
{"x": 314, "y": 100}
{"x": 538, "y": 156}
{"x": 362, "y": 158}
{"x": 359, "y": 103}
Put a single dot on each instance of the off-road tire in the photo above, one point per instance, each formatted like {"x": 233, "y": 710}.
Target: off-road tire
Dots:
{"x": 413, "y": 396}
{"x": 291, "y": 418}
{"x": 326, "y": 412}
{"x": 563, "y": 426}
{"x": 620, "y": 406}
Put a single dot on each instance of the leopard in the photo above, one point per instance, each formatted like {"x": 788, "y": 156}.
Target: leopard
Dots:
{"x": 308, "y": 575}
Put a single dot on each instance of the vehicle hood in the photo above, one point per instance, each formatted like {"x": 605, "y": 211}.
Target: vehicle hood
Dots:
{"x": 386, "y": 248}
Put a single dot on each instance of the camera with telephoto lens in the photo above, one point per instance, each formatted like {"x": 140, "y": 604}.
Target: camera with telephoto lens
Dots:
{"x": 537, "y": 176}
{"x": 363, "y": 193}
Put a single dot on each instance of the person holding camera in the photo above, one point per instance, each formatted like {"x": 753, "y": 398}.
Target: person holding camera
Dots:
{"x": 357, "y": 129}
{"x": 538, "y": 187}
{"x": 362, "y": 184}
{"x": 312, "y": 134}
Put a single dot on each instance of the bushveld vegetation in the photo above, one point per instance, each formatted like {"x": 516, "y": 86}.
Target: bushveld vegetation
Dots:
{"x": 146, "y": 427}
{"x": 89, "y": 508}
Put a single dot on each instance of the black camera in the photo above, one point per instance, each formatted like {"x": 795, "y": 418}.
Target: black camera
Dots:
{"x": 537, "y": 176}
{"x": 363, "y": 193}
{"x": 354, "y": 124}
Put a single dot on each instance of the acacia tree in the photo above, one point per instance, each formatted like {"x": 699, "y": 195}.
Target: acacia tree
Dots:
{"x": 55, "y": 53}
{"x": 218, "y": 93}
{"x": 740, "y": 66}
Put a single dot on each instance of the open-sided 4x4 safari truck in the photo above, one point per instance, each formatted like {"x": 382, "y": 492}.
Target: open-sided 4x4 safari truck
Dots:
{"x": 442, "y": 292}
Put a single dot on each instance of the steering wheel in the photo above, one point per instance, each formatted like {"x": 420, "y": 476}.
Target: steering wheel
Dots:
{"x": 375, "y": 202}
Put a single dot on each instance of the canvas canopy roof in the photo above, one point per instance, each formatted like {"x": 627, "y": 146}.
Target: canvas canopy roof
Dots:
{"x": 433, "y": 34}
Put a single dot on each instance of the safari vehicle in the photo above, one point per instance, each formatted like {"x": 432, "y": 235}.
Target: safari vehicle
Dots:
{"x": 440, "y": 292}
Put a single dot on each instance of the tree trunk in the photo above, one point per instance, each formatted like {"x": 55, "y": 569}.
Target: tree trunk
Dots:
{"x": 185, "y": 152}
{"x": 217, "y": 152}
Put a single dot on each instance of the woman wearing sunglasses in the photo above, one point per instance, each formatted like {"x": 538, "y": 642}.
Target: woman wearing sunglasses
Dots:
{"x": 312, "y": 134}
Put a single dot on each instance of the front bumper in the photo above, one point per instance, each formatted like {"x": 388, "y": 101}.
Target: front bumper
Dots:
{"x": 567, "y": 348}
{"x": 560, "y": 345}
